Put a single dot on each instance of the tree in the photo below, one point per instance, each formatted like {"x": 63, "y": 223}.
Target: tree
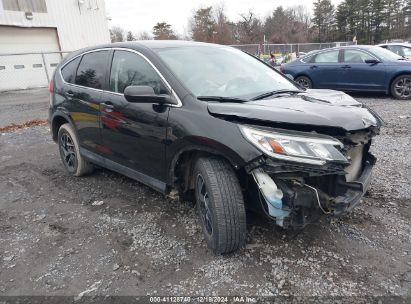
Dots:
{"x": 116, "y": 34}
{"x": 203, "y": 25}
{"x": 143, "y": 36}
{"x": 130, "y": 36}
{"x": 250, "y": 28}
{"x": 163, "y": 31}
{"x": 224, "y": 30}
{"x": 323, "y": 19}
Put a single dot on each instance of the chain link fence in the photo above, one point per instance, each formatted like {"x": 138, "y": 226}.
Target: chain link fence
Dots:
{"x": 264, "y": 50}
{"x": 21, "y": 71}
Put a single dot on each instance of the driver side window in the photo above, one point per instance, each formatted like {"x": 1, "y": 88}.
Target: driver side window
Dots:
{"x": 129, "y": 69}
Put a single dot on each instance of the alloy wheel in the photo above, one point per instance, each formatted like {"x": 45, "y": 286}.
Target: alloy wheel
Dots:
{"x": 402, "y": 87}
{"x": 204, "y": 205}
{"x": 304, "y": 83}
{"x": 68, "y": 152}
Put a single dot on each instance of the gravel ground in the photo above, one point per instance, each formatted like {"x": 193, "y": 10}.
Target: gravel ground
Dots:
{"x": 108, "y": 235}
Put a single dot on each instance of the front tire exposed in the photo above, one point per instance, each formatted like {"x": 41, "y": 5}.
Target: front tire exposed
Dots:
{"x": 69, "y": 149}
{"x": 401, "y": 87}
{"x": 220, "y": 205}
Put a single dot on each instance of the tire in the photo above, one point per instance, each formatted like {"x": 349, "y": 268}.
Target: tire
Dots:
{"x": 304, "y": 81}
{"x": 401, "y": 87}
{"x": 69, "y": 149}
{"x": 220, "y": 205}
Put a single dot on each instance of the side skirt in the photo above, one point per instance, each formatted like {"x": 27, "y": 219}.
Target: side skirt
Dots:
{"x": 116, "y": 167}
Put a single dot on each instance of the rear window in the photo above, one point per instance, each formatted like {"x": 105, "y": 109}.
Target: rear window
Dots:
{"x": 327, "y": 57}
{"x": 69, "y": 71}
{"x": 91, "y": 71}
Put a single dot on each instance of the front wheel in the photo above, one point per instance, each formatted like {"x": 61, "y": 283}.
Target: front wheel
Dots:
{"x": 401, "y": 87}
{"x": 220, "y": 205}
{"x": 304, "y": 81}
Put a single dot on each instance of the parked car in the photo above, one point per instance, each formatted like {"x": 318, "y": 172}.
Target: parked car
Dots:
{"x": 354, "y": 68}
{"x": 216, "y": 126}
{"x": 402, "y": 49}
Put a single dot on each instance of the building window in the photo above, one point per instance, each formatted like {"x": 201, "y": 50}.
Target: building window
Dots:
{"x": 37, "y": 65}
{"x": 35, "y": 6}
{"x": 53, "y": 65}
{"x": 2, "y": 67}
{"x": 19, "y": 66}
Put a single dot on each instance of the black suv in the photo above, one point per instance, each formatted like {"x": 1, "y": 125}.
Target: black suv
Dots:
{"x": 215, "y": 125}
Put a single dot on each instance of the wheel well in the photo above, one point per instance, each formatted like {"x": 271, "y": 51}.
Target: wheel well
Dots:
{"x": 395, "y": 77}
{"x": 58, "y": 121}
{"x": 183, "y": 170}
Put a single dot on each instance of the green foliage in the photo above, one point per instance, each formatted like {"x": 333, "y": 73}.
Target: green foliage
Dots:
{"x": 163, "y": 31}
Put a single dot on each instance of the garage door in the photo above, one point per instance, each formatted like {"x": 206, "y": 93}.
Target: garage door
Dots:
{"x": 26, "y": 71}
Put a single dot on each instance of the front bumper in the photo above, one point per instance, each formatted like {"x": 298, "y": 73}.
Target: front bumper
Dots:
{"x": 305, "y": 195}
{"x": 355, "y": 190}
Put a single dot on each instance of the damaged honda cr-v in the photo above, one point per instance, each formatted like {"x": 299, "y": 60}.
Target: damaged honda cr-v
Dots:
{"x": 216, "y": 125}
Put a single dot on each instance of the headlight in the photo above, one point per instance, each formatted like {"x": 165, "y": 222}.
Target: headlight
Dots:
{"x": 298, "y": 148}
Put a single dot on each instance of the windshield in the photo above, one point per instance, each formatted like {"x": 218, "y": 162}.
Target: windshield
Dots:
{"x": 385, "y": 54}
{"x": 222, "y": 71}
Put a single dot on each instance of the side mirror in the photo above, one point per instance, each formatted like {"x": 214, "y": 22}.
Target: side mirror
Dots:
{"x": 145, "y": 94}
{"x": 289, "y": 76}
{"x": 372, "y": 61}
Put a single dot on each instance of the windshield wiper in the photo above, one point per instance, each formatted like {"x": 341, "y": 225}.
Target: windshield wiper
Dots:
{"x": 278, "y": 92}
{"x": 221, "y": 99}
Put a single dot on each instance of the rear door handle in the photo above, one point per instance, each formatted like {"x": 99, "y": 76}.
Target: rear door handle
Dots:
{"x": 69, "y": 94}
{"x": 313, "y": 67}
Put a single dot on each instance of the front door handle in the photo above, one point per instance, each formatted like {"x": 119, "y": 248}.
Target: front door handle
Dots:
{"x": 109, "y": 106}
{"x": 346, "y": 67}
{"x": 313, "y": 67}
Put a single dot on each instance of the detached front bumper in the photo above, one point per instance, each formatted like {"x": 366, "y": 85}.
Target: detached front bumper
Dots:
{"x": 356, "y": 189}
{"x": 294, "y": 197}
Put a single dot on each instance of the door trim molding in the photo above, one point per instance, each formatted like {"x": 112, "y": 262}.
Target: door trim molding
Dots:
{"x": 116, "y": 167}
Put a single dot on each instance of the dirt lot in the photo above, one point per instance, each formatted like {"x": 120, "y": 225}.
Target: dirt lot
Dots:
{"x": 108, "y": 235}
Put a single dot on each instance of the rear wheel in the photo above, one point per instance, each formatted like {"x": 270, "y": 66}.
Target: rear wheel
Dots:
{"x": 69, "y": 149}
{"x": 304, "y": 81}
{"x": 220, "y": 205}
{"x": 401, "y": 87}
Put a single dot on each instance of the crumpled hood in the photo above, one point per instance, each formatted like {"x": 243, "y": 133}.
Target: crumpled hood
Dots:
{"x": 325, "y": 108}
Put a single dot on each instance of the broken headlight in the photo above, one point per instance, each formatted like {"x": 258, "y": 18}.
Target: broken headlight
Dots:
{"x": 300, "y": 148}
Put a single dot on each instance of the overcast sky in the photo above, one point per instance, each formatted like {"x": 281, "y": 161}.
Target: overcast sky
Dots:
{"x": 142, "y": 15}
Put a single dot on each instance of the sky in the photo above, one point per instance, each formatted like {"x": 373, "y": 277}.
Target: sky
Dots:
{"x": 142, "y": 15}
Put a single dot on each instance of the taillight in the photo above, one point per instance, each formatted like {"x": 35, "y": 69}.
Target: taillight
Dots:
{"x": 51, "y": 86}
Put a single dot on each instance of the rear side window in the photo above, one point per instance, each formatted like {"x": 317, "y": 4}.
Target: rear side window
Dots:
{"x": 69, "y": 71}
{"x": 131, "y": 69}
{"x": 327, "y": 57}
{"x": 91, "y": 71}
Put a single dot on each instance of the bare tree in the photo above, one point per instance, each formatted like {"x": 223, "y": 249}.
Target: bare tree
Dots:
{"x": 144, "y": 36}
{"x": 250, "y": 28}
{"x": 116, "y": 34}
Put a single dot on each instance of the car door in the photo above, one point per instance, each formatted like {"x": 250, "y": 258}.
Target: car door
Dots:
{"x": 359, "y": 75}
{"x": 84, "y": 80}
{"x": 323, "y": 69}
{"x": 134, "y": 134}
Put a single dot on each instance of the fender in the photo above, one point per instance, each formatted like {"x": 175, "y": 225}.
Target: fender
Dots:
{"x": 208, "y": 146}
{"x": 60, "y": 112}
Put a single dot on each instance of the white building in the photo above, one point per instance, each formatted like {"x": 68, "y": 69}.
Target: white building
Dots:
{"x": 33, "y": 26}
